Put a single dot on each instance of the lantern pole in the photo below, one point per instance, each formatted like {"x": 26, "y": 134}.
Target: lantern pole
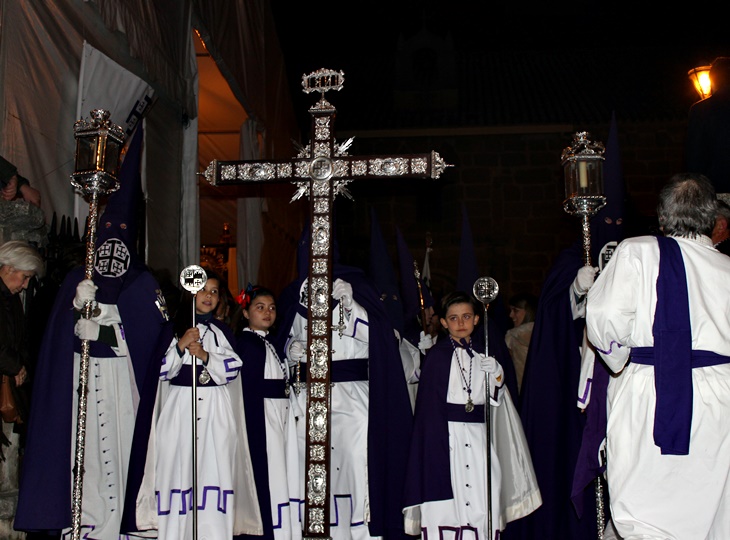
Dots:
{"x": 583, "y": 168}
{"x": 98, "y": 144}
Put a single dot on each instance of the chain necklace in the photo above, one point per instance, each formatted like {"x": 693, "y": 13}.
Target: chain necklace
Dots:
{"x": 204, "y": 377}
{"x": 271, "y": 348}
{"x": 469, "y": 407}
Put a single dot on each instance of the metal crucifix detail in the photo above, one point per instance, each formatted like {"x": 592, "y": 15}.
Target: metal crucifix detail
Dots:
{"x": 321, "y": 170}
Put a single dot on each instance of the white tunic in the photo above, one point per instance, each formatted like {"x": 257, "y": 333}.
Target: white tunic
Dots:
{"x": 654, "y": 495}
{"x": 282, "y": 451}
{"x": 349, "y": 417}
{"x": 217, "y": 444}
{"x": 110, "y": 412}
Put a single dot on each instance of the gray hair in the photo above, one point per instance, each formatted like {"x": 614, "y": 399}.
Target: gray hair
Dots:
{"x": 21, "y": 256}
{"x": 687, "y": 206}
{"x": 723, "y": 210}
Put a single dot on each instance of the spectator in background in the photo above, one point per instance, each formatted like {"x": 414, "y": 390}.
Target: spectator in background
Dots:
{"x": 522, "y": 308}
{"x": 721, "y": 230}
{"x": 708, "y": 130}
{"x": 14, "y": 186}
{"x": 19, "y": 263}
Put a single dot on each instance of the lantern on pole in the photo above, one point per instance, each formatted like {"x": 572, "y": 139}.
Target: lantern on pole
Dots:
{"x": 98, "y": 145}
{"x": 583, "y": 168}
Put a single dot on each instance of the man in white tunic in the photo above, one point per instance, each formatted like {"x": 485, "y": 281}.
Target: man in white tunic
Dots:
{"x": 659, "y": 316}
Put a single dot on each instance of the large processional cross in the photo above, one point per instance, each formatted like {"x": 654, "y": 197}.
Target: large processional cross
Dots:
{"x": 321, "y": 171}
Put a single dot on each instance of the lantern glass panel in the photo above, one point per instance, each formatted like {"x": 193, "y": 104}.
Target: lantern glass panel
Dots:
{"x": 583, "y": 177}
{"x": 86, "y": 153}
{"x": 111, "y": 157}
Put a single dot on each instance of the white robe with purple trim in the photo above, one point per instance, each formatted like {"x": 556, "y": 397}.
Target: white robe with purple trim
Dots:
{"x": 653, "y": 495}
{"x": 226, "y": 492}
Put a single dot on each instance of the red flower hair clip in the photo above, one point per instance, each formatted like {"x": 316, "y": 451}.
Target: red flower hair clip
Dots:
{"x": 246, "y": 295}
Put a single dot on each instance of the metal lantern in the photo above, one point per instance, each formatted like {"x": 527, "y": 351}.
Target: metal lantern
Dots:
{"x": 99, "y": 143}
{"x": 700, "y": 77}
{"x": 583, "y": 168}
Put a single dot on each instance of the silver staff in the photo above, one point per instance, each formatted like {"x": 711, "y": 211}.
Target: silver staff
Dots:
{"x": 98, "y": 144}
{"x": 193, "y": 279}
{"x": 486, "y": 290}
{"x": 583, "y": 169}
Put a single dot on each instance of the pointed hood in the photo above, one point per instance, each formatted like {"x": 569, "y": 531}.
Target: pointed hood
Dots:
{"x": 409, "y": 287}
{"x": 607, "y": 225}
{"x": 116, "y": 261}
{"x": 468, "y": 271}
{"x": 383, "y": 274}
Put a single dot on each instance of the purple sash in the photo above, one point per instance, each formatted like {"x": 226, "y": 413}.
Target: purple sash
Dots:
{"x": 672, "y": 353}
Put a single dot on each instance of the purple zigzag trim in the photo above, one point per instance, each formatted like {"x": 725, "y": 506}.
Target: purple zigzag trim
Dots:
{"x": 184, "y": 503}
{"x": 610, "y": 347}
{"x": 221, "y": 498}
{"x": 455, "y": 530}
{"x": 163, "y": 374}
{"x": 337, "y": 512}
{"x": 234, "y": 371}
{"x": 279, "y": 511}
{"x": 358, "y": 321}
{"x": 497, "y": 389}
{"x": 584, "y": 397}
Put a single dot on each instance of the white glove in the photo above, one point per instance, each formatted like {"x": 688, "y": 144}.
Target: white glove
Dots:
{"x": 584, "y": 280}
{"x": 297, "y": 351}
{"x": 85, "y": 292}
{"x": 488, "y": 364}
{"x": 425, "y": 343}
{"x": 87, "y": 329}
{"x": 342, "y": 291}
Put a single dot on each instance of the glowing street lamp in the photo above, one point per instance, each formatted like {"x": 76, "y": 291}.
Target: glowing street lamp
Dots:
{"x": 700, "y": 77}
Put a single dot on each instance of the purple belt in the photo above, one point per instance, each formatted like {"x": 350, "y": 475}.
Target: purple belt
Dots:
{"x": 455, "y": 412}
{"x": 185, "y": 377}
{"x": 344, "y": 370}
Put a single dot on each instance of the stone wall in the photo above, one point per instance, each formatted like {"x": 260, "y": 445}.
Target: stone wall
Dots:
{"x": 511, "y": 183}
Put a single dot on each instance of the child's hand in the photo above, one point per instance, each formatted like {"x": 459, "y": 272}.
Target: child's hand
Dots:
{"x": 197, "y": 350}
{"x": 191, "y": 335}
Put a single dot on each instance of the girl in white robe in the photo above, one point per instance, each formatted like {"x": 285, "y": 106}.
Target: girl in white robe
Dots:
{"x": 208, "y": 346}
{"x": 271, "y": 410}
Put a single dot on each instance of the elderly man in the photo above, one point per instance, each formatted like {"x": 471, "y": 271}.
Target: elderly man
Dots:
{"x": 658, "y": 315}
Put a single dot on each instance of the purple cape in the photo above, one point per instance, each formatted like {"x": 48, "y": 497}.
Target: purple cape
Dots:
{"x": 552, "y": 422}
{"x": 252, "y": 351}
{"x": 44, "y": 498}
{"x": 428, "y": 472}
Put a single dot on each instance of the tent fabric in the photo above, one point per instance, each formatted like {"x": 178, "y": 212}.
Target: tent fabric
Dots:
{"x": 40, "y": 58}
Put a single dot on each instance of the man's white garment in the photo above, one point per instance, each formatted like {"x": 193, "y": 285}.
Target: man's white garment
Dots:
{"x": 348, "y": 456}
{"x": 655, "y": 496}
{"x": 110, "y": 412}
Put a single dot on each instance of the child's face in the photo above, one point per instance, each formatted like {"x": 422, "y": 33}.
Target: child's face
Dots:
{"x": 460, "y": 320}
{"x": 207, "y": 298}
{"x": 261, "y": 313}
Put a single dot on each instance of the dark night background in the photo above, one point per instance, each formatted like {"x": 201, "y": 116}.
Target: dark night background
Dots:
{"x": 479, "y": 82}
